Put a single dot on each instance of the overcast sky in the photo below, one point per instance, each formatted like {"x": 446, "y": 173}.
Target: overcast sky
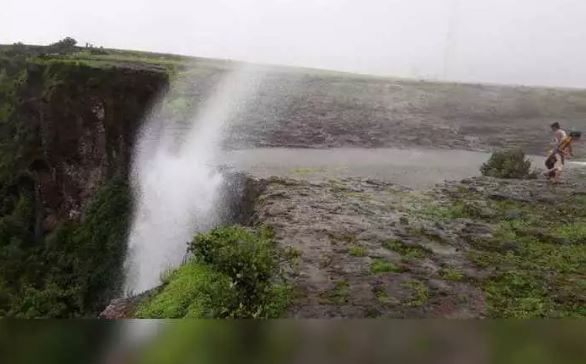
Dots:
{"x": 534, "y": 42}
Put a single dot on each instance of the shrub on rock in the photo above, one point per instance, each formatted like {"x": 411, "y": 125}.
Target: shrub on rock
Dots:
{"x": 233, "y": 273}
{"x": 508, "y": 164}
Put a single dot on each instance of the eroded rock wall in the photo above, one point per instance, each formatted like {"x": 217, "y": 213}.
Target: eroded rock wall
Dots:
{"x": 84, "y": 122}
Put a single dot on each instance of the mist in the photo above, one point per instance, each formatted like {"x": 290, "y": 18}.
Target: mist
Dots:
{"x": 529, "y": 42}
{"x": 175, "y": 178}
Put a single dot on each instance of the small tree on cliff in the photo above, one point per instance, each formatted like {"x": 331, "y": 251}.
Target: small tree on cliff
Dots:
{"x": 64, "y": 46}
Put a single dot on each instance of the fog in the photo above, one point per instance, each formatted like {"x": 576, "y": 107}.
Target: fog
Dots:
{"x": 532, "y": 42}
{"x": 173, "y": 161}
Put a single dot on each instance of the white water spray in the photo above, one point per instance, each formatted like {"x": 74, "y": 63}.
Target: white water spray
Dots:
{"x": 175, "y": 182}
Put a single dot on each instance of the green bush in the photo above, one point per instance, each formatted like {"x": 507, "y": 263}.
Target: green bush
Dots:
{"x": 194, "y": 290}
{"x": 249, "y": 258}
{"x": 233, "y": 274}
{"x": 64, "y": 46}
{"x": 508, "y": 164}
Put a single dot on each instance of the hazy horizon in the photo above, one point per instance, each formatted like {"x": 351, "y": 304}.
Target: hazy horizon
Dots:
{"x": 523, "y": 42}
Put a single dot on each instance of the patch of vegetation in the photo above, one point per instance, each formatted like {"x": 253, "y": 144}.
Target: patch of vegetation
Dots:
{"x": 194, "y": 290}
{"x": 442, "y": 212}
{"x": 341, "y": 237}
{"x": 384, "y": 266}
{"x": 76, "y": 270}
{"x": 420, "y": 293}
{"x": 508, "y": 164}
{"x": 64, "y": 46}
{"x": 233, "y": 274}
{"x": 383, "y": 297}
{"x": 67, "y": 52}
{"x": 465, "y": 207}
{"x": 536, "y": 255}
{"x": 517, "y": 294}
{"x": 451, "y": 274}
{"x": 535, "y": 274}
{"x": 358, "y": 251}
{"x": 574, "y": 233}
{"x": 408, "y": 251}
{"x": 340, "y": 294}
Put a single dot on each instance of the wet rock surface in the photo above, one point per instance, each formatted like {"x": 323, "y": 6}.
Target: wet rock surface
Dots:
{"x": 369, "y": 248}
{"x": 119, "y": 308}
{"x": 124, "y": 307}
{"x": 314, "y": 110}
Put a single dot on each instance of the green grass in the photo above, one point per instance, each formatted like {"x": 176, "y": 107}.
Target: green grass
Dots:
{"x": 454, "y": 210}
{"x": 119, "y": 59}
{"x": 195, "y": 291}
{"x": 451, "y": 274}
{"x": 420, "y": 293}
{"x": 358, "y": 251}
{"x": 383, "y": 297}
{"x": 234, "y": 273}
{"x": 198, "y": 291}
{"x": 517, "y": 294}
{"x": 408, "y": 251}
{"x": 575, "y": 232}
{"x": 540, "y": 277}
{"x": 384, "y": 266}
{"x": 535, "y": 256}
{"x": 536, "y": 253}
{"x": 340, "y": 294}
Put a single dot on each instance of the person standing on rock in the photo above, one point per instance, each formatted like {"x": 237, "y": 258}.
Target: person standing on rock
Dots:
{"x": 559, "y": 134}
{"x": 556, "y": 160}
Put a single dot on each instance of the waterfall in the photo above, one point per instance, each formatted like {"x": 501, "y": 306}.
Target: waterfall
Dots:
{"x": 176, "y": 184}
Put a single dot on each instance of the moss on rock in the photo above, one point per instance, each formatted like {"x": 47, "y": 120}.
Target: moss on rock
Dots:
{"x": 233, "y": 273}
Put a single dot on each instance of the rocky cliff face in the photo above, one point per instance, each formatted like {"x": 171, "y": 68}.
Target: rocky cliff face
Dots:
{"x": 66, "y": 136}
{"x": 84, "y": 121}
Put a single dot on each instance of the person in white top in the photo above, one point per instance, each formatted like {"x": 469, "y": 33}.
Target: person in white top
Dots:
{"x": 562, "y": 150}
{"x": 559, "y": 134}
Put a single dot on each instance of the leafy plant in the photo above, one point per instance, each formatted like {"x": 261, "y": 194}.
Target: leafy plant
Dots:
{"x": 64, "y": 46}
{"x": 508, "y": 164}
